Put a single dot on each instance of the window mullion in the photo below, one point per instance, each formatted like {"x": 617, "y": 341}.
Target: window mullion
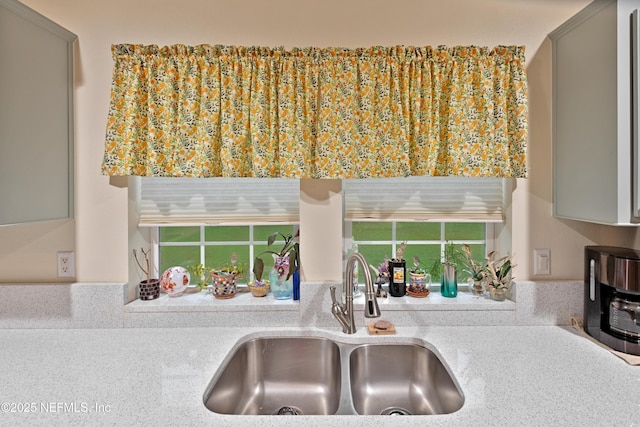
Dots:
{"x": 202, "y": 245}
{"x": 251, "y": 251}
{"x": 393, "y": 239}
{"x": 154, "y": 235}
{"x": 442, "y": 238}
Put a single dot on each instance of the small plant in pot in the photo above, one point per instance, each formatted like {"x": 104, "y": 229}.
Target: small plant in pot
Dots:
{"x": 224, "y": 280}
{"x": 259, "y": 287}
{"x": 419, "y": 278}
{"x": 285, "y": 262}
{"x": 500, "y": 276}
{"x": 476, "y": 270}
{"x": 149, "y": 289}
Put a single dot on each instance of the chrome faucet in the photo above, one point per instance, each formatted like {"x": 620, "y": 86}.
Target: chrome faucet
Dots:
{"x": 344, "y": 312}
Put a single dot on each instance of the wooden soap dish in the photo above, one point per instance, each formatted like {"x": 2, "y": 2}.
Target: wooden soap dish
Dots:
{"x": 389, "y": 330}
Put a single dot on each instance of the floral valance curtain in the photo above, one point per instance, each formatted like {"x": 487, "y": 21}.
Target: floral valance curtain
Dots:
{"x": 207, "y": 111}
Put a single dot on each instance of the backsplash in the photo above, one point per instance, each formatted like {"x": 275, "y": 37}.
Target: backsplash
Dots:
{"x": 61, "y": 305}
{"x": 102, "y": 305}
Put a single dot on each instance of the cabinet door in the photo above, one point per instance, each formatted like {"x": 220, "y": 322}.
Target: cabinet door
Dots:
{"x": 36, "y": 117}
{"x": 593, "y": 168}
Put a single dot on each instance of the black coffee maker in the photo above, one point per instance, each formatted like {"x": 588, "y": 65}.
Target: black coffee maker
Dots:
{"x": 612, "y": 297}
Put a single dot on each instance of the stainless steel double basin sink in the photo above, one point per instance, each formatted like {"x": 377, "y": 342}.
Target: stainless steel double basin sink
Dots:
{"x": 309, "y": 375}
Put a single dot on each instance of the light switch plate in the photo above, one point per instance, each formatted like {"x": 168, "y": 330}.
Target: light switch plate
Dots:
{"x": 541, "y": 262}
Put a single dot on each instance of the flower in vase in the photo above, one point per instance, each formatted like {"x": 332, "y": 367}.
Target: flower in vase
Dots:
{"x": 284, "y": 259}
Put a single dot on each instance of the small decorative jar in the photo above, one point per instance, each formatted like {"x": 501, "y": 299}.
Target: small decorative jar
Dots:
{"x": 149, "y": 289}
{"x": 174, "y": 281}
{"x": 419, "y": 282}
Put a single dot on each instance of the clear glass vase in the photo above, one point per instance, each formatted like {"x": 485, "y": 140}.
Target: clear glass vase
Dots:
{"x": 498, "y": 294}
{"x": 477, "y": 287}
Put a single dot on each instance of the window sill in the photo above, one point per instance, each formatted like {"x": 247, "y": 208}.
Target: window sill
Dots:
{"x": 465, "y": 301}
{"x": 194, "y": 301}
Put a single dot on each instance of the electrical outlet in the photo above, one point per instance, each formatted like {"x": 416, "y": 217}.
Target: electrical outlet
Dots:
{"x": 66, "y": 264}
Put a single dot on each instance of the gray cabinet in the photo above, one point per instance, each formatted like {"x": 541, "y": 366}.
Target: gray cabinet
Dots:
{"x": 36, "y": 116}
{"x": 594, "y": 158}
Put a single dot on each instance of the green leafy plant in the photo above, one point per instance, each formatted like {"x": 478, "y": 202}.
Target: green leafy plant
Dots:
{"x": 477, "y": 271}
{"x": 199, "y": 271}
{"x": 233, "y": 267}
{"x": 451, "y": 255}
{"x": 500, "y": 272}
{"x": 290, "y": 248}
{"x": 418, "y": 266}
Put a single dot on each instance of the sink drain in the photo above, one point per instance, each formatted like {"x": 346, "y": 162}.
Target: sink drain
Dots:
{"x": 288, "y": 410}
{"x": 395, "y": 411}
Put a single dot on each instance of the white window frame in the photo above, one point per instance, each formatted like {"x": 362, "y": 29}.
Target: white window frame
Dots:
{"x": 489, "y": 242}
{"x": 203, "y": 243}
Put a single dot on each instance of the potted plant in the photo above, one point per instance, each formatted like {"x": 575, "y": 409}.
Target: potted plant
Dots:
{"x": 225, "y": 279}
{"x": 477, "y": 271}
{"x": 419, "y": 278}
{"x": 258, "y": 287}
{"x": 148, "y": 289}
{"x": 286, "y": 262}
{"x": 500, "y": 277}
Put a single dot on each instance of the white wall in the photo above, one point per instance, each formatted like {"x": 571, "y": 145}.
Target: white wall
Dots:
{"x": 101, "y": 231}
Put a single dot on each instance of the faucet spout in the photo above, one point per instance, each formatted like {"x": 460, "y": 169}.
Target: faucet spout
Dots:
{"x": 344, "y": 312}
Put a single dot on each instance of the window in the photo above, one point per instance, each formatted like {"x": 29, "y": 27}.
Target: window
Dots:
{"x": 426, "y": 212}
{"x": 204, "y": 221}
{"x": 426, "y": 240}
{"x": 212, "y": 246}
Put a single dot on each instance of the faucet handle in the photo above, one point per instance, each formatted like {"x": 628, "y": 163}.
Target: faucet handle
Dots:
{"x": 332, "y": 289}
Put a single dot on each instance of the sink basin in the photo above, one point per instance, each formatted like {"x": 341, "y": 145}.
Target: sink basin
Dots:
{"x": 313, "y": 375}
{"x": 401, "y": 379}
{"x": 279, "y": 376}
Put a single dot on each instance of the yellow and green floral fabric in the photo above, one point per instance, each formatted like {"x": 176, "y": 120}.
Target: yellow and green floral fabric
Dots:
{"x": 206, "y": 111}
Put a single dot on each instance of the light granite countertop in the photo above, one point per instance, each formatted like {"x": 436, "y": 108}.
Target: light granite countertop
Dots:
{"x": 511, "y": 375}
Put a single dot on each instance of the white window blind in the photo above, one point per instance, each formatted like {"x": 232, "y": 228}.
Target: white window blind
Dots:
{"x": 422, "y": 198}
{"x": 203, "y": 201}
